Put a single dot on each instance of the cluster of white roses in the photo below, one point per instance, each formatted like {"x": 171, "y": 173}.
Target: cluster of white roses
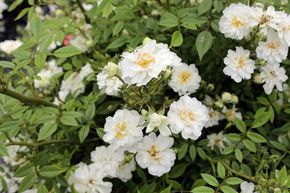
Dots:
{"x": 237, "y": 22}
{"x": 124, "y": 130}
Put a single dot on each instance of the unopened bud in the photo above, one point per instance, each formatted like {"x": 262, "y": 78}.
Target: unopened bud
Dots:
{"x": 226, "y": 97}
{"x": 257, "y": 79}
{"x": 235, "y": 99}
{"x": 146, "y": 40}
{"x": 167, "y": 73}
{"x": 111, "y": 69}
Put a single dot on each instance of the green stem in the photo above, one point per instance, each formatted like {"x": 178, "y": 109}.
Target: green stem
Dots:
{"x": 83, "y": 11}
{"x": 25, "y": 99}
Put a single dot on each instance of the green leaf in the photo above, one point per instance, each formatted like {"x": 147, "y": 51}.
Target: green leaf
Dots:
{"x": 177, "y": 170}
{"x": 167, "y": 190}
{"x": 278, "y": 145}
{"x": 68, "y": 120}
{"x": 6, "y": 64}
{"x": 24, "y": 170}
{"x": 282, "y": 177}
{"x": 202, "y": 189}
{"x": 240, "y": 125}
{"x": 27, "y": 182}
{"x": 9, "y": 125}
{"x": 203, "y": 43}
{"x": 22, "y": 13}
{"x": 221, "y": 170}
{"x": 256, "y": 137}
{"x": 169, "y": 20}
{"x": 204, "y": 7}
{"x": 42, "y": 189}
{"x": 227, "y": 189}
{"x": 192, "y": 152}
{"x": 182, "y": 151}
{"x": 47, "y": 130}
{"x": 174, "y": 184}
{"x": 176, "y": 39}
{"x": 249, "y": 145}
{"x": 211, "y": 180}
{"x": 83, "y": 133}
{"x": 90, "y": 112}
{"x": 233, "y": 181}
{"x": 3, "y": 149}
{"x": 118, "y": 28}
{"x": 189, "y": 23}
{"x": 117, "y": 43}
{"x": 261, "y": 119}
{"x": 239, "y": 155}
{"x": 67, "y": 51}
{"x": 14, "y": 4}
{"x": 51, "y": 171}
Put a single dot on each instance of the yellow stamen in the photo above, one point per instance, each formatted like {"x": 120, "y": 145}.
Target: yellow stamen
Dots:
{"x": 184, "y": 77}
{"x": 145, "y": 59}
{"x": 120, "y": 130}
{"x": 187, "y": 116}
{"x": 236, "y": 23}
{"x": 272, "y": 45}
{"x": 154, "y": 153}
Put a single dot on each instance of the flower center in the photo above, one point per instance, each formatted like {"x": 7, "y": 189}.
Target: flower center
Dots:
{"x": 145, "y": 59}
{"x": 154, "y": 153}
{"x": 242, "y": 62}
{"x": 121, "y": 129}
{"x": 237, "y": 23}
{"x": 217, "y": 141}
{"x": 187, "y": 117}
{"x": 286, "y": 28}
{"x": 265, "y": 19}
{"x": 184, "y": 77}
{"x": 272, "y": 45}
{"x": 273, "y": 74}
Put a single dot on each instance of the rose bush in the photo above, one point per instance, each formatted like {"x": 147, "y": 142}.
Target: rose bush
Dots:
{"x": 146, "y": 96}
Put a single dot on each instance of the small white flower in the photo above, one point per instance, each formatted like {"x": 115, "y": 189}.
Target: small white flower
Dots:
{"x": 185, "y": 79}
{"x": 109, "y": 85}
{"x": 87, "y": 179}
{"x": 238, "y": 64}
{"x": 273, "y": 75}
{"x": 73, "y": 84}
{"x": 231, "y": 113}
{"x": 273, "y": 50}
{"x": 87, "y": 6}
{"x": 107, "y": 159}
{"x": 236, "y": 21}
{"x": 160, "y": 122}
{"x": 79, "y": 42}
{"x": 283, "y": 29}
{"x": 9, "y": 46}
{"x": 146, "y": 62}
{"x": 124, "y": 171}
{"x": 188, "y": 116}
{"x": 46, "y": 74}
{"x": 155, "y": 154}
{"x": 217, "y": 140}
{"x": 86, "y": 71}
{"x": 214, "y": 118}
{"x": 124, "y": 129}
{"x": 247, "y": 187}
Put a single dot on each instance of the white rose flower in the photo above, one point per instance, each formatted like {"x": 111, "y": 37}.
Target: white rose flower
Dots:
{"x": 109, "y": 85}
{"x": 272, "y": 75}
{"x": 188, "y": 116}
{"x": 247, "y": 187}
{"x": 273, "y": 50}
{"x": 214, "y": 118}
{"x": 46, "y": 74}
{"x": 124, "y": 171}
{"x": 236, "y": 21}
{"x": 9, "y": 46}
{"x": 185, "y": 79}
{"x": 238, "y": 64}
{"x": 73, "y": 84}
{"x": 283, "y": 29}
{"x": 146, "y": 62}
{"x": 124, "y": 129}
{"x": 86, "y": 71}
{"x": 107, "y": 159}
{"x": 87, "y": 179}
{"x": 160, "y": 122}
{"x": 155, "y": 154}
{"x": 217, "y": 140}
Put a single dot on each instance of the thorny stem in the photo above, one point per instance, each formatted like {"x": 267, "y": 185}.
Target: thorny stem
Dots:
{"x": 25, "y": 99}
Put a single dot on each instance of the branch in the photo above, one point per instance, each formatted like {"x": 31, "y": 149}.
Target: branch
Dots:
{"x": 25, "y": 99}
{"x": 83, "y": 11}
